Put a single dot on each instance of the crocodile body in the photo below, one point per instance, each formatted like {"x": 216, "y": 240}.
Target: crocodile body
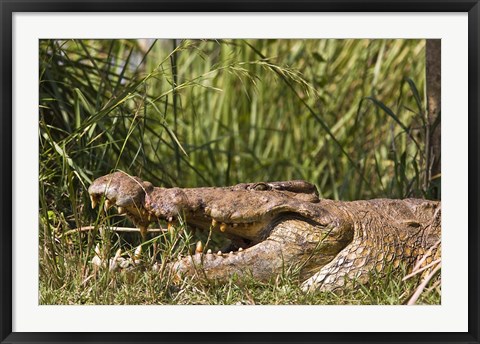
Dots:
{"x": 280, "y": 224}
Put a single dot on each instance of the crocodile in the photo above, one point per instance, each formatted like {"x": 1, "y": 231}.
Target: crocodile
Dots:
{"x": 274, "y": 225}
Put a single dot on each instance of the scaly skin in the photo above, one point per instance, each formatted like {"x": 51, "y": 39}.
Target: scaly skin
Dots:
{"x": 280, "y": 224}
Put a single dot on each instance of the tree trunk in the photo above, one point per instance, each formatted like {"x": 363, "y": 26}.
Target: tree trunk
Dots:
{"x": 433, "y": 71}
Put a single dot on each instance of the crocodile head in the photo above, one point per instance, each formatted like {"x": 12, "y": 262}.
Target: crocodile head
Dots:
{"x": 245, "y": 211}
{"x": 270, "y": 225}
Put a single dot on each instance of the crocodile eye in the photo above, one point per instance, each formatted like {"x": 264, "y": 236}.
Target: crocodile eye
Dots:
{"x": 261, "y": 187}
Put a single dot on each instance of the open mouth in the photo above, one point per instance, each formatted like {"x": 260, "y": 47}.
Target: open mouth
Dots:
{"x": 212, "y": 236}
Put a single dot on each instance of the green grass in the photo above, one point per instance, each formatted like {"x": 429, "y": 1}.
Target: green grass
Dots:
{"x": 346, "y": 115}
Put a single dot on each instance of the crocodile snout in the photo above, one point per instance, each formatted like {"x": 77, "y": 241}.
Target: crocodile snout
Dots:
{"x": 119, "y": 189}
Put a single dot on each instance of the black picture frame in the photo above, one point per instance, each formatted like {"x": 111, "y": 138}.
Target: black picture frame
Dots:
{"x": 9, "y": 7}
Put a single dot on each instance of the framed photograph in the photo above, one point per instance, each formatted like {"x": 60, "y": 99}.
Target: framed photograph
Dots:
{"x": 196, "y": 171}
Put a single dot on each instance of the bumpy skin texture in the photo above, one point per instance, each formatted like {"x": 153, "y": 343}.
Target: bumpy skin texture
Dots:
{"x": 283, "y": 224}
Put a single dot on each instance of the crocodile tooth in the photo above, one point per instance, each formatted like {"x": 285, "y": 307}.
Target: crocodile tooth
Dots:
{"x": 112, "y": 264}
{"x": 223, "y": 227}
{"x": 143, "y": 231}
{"x": 121, "y": 210}
{"x": 199, "y": 247}
{"x": 97, "y": 250}
{"x": 231, "y": 252}
{"x": 107, "y": 205}
{"x": 219, "y": 253}
{"x": 138, "y": 252}
{"x": 214, "y": 223}
{"x": 240, "y": 249}
{"x": 209, "y": 251}
{"x": 96, "y": 261}
{"x": 94, "y": 201}
{"x": 170, "y": 228}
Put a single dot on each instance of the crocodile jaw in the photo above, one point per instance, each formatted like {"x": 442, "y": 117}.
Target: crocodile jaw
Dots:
{"x": 235, "y": 212}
